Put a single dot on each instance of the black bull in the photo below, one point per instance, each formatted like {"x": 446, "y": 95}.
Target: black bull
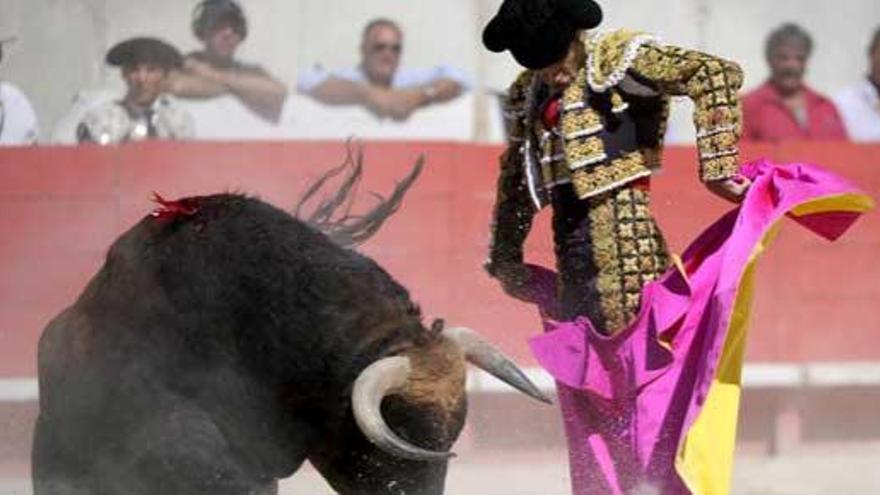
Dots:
{"x": 226, "y": 342}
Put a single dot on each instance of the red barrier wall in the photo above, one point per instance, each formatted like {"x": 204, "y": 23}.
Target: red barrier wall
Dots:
{"x": 60, "y": 208}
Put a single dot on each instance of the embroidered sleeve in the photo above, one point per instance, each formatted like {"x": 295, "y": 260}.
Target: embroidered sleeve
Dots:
{"x": 515, "y": 107}
{"x": 713, "y": 84}
{"x": 513, "y": 213}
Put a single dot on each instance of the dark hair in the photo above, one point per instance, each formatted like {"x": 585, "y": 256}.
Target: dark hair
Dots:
{"x": 875, "y": 41}
{"x": 380, "y": 21}
{"x": 208, "y": 14}
{"x": 784, "y": 33}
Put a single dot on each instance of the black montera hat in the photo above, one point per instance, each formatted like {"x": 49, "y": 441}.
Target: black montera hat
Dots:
{"x": 538, "y": 32}
{"x": 144, "y": 51}
{"x": 208, "y": 14}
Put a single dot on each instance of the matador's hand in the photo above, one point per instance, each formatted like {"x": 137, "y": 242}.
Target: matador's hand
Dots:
{"x": 732, "y": 189}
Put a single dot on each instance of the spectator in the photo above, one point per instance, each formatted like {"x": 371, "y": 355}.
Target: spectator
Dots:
{"x": 784, "y": 107}
{"x": 378, "y": 84}
{"x": 18, "y": 123}
{"x": 860, "y": 104}
{"x": 145, "y": 112}
{"x": 212, "y": 72}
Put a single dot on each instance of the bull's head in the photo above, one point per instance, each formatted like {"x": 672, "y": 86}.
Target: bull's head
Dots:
{"x": 430, "y": 376}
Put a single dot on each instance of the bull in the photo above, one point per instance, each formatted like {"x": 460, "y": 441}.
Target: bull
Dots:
{"x": 224, "y": 342}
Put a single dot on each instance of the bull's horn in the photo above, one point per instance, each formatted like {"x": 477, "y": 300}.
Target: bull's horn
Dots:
{"x": 483, "y": 355}
{"x": 379, "y": 379}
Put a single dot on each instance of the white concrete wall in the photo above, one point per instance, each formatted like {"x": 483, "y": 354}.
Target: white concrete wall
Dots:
{"x": 62, "y": 42}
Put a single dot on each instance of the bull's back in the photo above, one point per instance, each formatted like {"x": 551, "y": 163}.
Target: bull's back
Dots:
{"x": 238, "y": 285}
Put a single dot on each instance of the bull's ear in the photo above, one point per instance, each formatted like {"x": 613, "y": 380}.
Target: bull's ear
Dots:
{"x": 386, "y": 376}
{"x": 484, "y": 355}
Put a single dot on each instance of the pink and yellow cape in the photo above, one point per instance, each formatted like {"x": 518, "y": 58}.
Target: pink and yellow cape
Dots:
{"x": 657, "y": 404}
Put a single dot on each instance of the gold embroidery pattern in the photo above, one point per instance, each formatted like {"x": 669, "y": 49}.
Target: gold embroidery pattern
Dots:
{"x": 628, "y": 251}
{"x": 713, "y": 85}
{"x": 604, "y": 176}
{"x": 580, "y": 125}
{"x": 582, "y": 152}
{"x": 610, "y": 55}
{"x": 553, "y": 168}
{"x": 578, "y": 155}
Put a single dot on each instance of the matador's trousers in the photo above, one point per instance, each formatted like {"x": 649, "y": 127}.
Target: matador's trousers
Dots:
{"x": 607, "y": 248}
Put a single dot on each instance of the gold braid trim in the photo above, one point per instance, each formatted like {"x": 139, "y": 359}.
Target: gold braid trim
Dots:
{"x": 581, "y": 126}
{"x": 597, "y": 179}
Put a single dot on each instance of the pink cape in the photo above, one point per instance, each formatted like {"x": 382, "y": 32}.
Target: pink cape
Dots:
{"x": 656, "y": 404}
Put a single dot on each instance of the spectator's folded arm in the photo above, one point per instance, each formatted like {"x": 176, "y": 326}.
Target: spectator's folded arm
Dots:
{"x": 442, "y": 72}
{"x": 441, "y": 90}
{"x": 186, "y": 84}
{"x": 258, "y": 90}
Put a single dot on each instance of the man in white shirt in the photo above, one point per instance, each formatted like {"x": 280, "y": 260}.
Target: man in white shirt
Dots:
{"x": 378, "y": 84}
{"x": 18, "y": 122}
{"x": 860, "y": 105}
{"x": 215, "y": 71}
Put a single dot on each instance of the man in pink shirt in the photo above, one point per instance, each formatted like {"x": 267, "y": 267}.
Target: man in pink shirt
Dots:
{"x": 784, "y": 107}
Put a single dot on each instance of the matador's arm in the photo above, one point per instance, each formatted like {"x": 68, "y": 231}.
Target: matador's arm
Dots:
{"x": 713, "y": 85}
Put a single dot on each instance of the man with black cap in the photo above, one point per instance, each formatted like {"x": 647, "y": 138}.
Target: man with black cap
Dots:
{"x": 145, "y": 112}
{"x": 585, "y": 125}
{"x": 212, "y": 72}
{"x": 18, "y": 122}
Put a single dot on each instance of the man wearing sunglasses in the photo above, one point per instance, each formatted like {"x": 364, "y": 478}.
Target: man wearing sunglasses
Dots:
{"x": 378, "y": 83}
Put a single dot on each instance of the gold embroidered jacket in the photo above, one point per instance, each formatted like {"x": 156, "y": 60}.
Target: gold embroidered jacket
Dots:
{"x": 611, "y": 127}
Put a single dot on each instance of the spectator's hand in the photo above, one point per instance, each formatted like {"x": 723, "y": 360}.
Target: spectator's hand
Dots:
{"x": 404, "y": 102}
{"x": 377, "y": 100}
{"x": 732, "y": 189}
{"x": 188, "y": 84}
{"x": 199, "y": 68}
